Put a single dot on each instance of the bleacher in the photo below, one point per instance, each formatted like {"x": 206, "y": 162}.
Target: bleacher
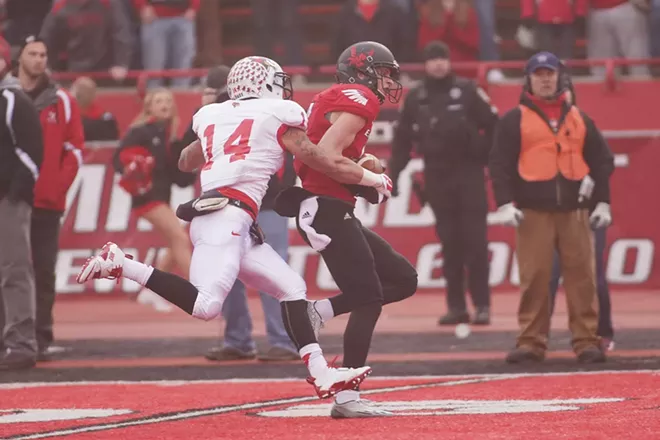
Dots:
{"x": 318, "y": 18}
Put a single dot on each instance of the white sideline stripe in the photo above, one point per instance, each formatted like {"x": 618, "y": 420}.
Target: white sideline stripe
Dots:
{"x": 175, "y": 383}
{"x": 225, "y": 409}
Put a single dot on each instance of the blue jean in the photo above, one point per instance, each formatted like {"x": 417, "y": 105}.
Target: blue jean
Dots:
{"x": 238, "y": 329}
{"x": 655, "y": 28}
{"x": 488, "y": 50}
{"x": 168, "y": 43}
{"x": 605, "y": 328}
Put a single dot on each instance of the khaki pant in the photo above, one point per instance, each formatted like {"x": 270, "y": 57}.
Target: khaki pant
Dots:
{"x": 537, "y": 237}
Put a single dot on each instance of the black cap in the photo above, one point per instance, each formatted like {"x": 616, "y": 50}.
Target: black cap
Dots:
{"x": 29, "y": 39}
{"x": 435, "y": 49}
{"x": 216, "y": 78}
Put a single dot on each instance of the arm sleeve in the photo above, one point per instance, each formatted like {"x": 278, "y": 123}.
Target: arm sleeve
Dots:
{"x": 74, "y": 140}
{"x": 503, "y": 159}
{"x": 24, "y": 125}
{"x": 403, "y": 136}
{"x": 600, "y": 160}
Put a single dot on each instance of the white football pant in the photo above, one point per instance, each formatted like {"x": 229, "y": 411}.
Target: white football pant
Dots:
{"x": 224, "y": 251}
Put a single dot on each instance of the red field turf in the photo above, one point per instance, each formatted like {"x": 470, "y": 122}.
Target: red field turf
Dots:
{"x": 617, "y": 405}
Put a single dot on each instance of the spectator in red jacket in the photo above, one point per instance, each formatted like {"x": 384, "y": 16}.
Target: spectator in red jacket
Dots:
{"x": 554, "y": 23}
{"x": 168, "y": 36}
{"x": 99, "y": 125}
{"x": 454, "y": 22}
{"x": 63, "y": 144}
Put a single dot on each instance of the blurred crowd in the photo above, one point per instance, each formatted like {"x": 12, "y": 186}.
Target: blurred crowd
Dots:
{"x": 115, "y": 36}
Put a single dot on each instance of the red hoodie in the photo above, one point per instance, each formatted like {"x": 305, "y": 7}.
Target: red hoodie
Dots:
{"x": 463, "y": 42}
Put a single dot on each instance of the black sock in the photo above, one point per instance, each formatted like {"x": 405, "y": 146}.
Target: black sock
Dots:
{"x": 357, "y": 337}
{"x": 174, "y": 289}
{"x": 296, "y": 323}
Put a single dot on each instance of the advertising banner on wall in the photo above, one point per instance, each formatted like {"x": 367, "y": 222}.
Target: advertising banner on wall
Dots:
{"x": 98, "y": 211}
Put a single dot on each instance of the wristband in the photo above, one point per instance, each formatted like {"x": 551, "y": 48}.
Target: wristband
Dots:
{"x": 369, "y": 178}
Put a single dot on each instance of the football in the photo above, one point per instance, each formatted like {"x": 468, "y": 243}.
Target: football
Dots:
{"x": 371, "y": 163}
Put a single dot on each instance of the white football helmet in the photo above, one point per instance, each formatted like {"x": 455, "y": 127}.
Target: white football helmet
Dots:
{"x": 258, "y": 77}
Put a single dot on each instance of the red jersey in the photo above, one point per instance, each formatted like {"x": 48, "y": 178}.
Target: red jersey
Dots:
{"x": 351, "y": 98}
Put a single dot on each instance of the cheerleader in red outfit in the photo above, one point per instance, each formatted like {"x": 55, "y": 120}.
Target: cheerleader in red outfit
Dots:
{"x": 147, "y": 160}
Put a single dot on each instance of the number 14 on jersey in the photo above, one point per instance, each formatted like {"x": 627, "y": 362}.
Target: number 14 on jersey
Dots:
{"x": 237, "y": 146}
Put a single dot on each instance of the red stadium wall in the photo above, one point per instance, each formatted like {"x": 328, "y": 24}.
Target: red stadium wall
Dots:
{"x": 99, "y": 210}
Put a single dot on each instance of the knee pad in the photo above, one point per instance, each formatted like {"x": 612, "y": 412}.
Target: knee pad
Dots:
{"x": 295, "y": 295}
{"x": 207, "y": 306}
{"x": 297, "y": 291}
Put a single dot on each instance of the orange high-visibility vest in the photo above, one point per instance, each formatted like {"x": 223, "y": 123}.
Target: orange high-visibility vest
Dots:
{"x": 545, "y": 153}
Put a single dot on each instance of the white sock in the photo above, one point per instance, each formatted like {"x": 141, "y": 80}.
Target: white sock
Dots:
{"x": 136, "y": 271}
{"x": 312, "y": 355}
{"x": 324, "y": 308}
{"x": 347, "y": 396}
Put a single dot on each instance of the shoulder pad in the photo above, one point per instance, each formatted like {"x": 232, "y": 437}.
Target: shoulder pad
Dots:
{"x": 291, "y": 113}
{"x": 355, "y": 98}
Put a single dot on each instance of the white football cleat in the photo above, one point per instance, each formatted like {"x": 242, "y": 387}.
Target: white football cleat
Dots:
{"x": 108, "y": 264}
{"x": 335, "y": 380}
{"x": 356, "y": 409}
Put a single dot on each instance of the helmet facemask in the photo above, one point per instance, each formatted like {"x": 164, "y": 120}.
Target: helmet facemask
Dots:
{"x": 372, "y": 77}
{"x": 283, "y": 81}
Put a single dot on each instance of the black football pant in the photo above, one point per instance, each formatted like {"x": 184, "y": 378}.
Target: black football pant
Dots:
{"x": 366, "y": 269}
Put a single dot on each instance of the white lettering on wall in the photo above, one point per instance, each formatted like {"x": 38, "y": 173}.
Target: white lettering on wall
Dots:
{"x": 621, "y": 251}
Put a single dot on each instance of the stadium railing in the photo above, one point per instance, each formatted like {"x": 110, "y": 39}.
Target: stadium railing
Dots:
{"x": 477, "y": 70}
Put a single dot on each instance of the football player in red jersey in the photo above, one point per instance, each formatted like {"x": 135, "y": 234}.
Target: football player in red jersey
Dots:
{"x": 367, "y": 270}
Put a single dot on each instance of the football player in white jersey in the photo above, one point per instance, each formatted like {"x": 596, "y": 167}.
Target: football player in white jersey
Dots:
{"x": 240, "y": 146}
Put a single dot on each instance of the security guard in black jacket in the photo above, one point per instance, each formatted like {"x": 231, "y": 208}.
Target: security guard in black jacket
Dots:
{"x": 452, "y": 122}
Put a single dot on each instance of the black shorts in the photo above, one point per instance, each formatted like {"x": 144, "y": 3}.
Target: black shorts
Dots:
{"x": 362, "y": 263}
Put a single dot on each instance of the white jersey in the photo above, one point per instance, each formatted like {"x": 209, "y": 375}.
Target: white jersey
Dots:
{"x": 241, "y": 142}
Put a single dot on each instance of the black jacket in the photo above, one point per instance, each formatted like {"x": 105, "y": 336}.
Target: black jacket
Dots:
{"x": 451, "y": 121}
{"x": 21, "y": 143}
{"x": 558, "y": 194}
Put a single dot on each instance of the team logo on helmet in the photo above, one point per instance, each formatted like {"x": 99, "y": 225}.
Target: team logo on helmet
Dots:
{"x": 359, "y": 60}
